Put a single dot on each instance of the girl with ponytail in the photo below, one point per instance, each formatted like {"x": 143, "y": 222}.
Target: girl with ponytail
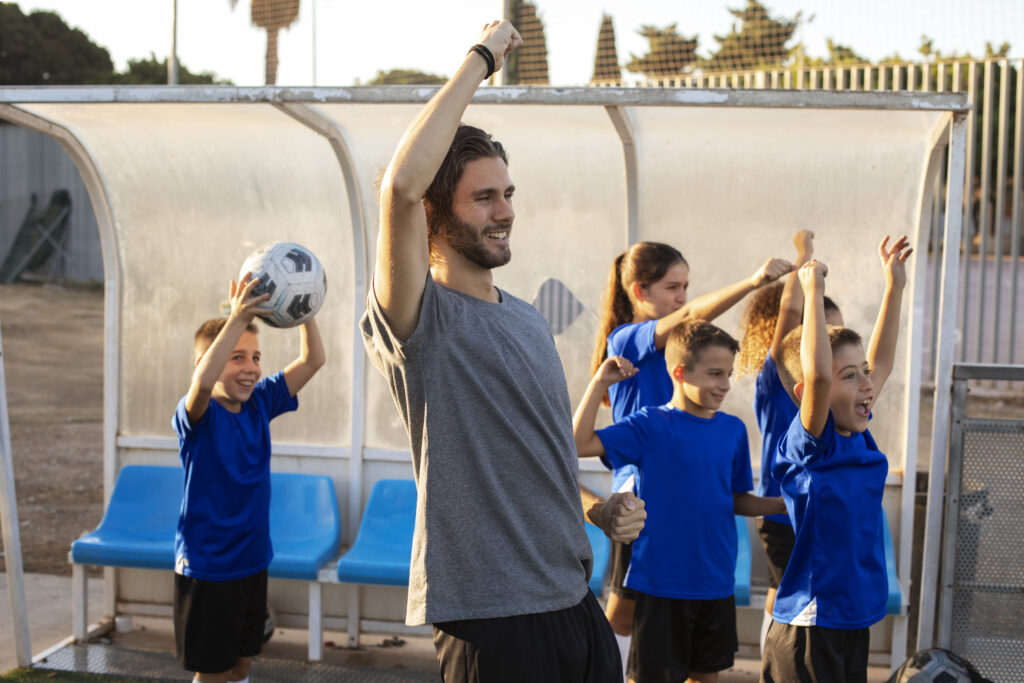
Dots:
{"x": 645, "y": 298}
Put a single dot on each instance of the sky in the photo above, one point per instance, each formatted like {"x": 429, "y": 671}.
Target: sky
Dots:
{"x": 353, "y": 40}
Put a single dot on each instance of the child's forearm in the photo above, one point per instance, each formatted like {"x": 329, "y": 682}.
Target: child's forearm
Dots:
{"x": 311, "y": 345}
{"x": 587, "y": 442}
{"x": 212, "y": 363}
{"x": 749, "y": 505}
{"x": 311, "y": 357}
{"x": 881, "y": 355}
{"x": 815, "y": 359}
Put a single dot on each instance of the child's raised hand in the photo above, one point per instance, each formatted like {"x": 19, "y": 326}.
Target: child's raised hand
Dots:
{"x": 243, "y": 303}
{"x": 893, "y": 259}
{"x": 615, "y": 369}
{"x": 812, "y": 274}
{"x": 772, "y": 270}
{"x": 803, "y": 240}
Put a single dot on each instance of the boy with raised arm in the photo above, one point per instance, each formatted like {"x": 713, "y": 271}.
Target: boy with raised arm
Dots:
{"x": 500, "y": 557}
{"x": 832, "y": 477}
{"x": 222, "y": 546}
{"x": 694, "y": 464}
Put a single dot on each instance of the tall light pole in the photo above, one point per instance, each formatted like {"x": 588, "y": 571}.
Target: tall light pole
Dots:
{"x": 172, "y": 60}
{"x": 506, "y": 13}
{"x": 314, "y": 42}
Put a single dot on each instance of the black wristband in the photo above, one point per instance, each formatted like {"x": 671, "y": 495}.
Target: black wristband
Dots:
{"x": 488, "y": 57}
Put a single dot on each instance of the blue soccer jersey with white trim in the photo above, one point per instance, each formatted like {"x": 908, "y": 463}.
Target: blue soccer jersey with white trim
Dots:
{"x": 774, "y": 411}
{"x": 690, "y": 467}
{"x": 833, "y": 487}
{"x": 650, "y": 386}
{"x": 224, "y": 524}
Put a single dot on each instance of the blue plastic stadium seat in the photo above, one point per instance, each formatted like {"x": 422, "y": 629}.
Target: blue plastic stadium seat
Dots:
{"x": 305, "y": 525}
{"x": 138, "y": 526}
{"x": 894, "y": 603}
{"x": 383, "y": 548}
{"x": 601, "y": 546}
{"x": 742, "y": 594}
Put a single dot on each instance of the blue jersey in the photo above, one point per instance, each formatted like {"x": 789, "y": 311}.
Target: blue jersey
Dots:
{"x": 833, "y": 488}
{"x": 774, "y": 410}
{"x": 224, "y": 524}
{"x": 650, "y": 386}
{"x": 690, "y": 468}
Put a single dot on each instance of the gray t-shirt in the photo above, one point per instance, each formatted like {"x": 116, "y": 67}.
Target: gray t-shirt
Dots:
{"x": 499, "y": 525}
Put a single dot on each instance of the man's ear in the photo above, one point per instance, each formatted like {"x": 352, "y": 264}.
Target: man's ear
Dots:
{"x": 799, "y": 391}
{"x": 679, "y": 373}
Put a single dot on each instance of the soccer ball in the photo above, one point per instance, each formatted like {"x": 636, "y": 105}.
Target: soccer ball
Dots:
{"x": 936, "y": 666}
{"x": 293, "y": 277}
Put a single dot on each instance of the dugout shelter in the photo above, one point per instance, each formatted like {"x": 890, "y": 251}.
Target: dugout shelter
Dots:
{"x": 186, "y": 181}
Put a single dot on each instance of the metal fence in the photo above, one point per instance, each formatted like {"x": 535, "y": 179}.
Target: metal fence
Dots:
{"x": 981, "y": 609}
{"x": 990, "y": 322}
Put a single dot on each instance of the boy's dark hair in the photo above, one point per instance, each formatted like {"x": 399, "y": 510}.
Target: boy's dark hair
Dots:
{"x": 831, "y": 306}
{"x": 688, "y": 340}
{"x": 209, "y": 330}
{"x": 470, "y": 143}
{"x": 837, "y": 337}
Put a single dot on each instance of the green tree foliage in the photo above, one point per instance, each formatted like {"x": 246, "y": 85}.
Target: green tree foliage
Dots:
{"x": 40, "y": 49}
{"x": 760, "y": 41}
{"x": 606, "y": 59}
{"x": 843, "y": 54}
{"x": 668, "y": 53}
{"x": 529, "y": 64}
{"x": 406, "y": 77}
{"x": 152, "y": 71}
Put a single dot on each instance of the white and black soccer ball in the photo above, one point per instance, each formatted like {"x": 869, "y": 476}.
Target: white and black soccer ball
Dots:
{"x": 293, "y": 276}
{"x": 936, "y": 666}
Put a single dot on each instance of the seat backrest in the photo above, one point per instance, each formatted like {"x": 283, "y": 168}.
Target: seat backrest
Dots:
{"x": 303, "y": 506}
{"x": 146, "y": 498}
{"x": 389, "y": 517}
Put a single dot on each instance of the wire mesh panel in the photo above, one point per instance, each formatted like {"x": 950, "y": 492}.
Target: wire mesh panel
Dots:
{"x": 988, "y": 577}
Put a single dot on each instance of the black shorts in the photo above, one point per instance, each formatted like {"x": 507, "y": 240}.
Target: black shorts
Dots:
{"x": 575, "y": 645}
{"x": 622, "y": 553}
{"x": 777, "y": 539}
{"x": 216, "y": 622}
{"x": 815, "y": 653}
{"x": 672, "y": 638}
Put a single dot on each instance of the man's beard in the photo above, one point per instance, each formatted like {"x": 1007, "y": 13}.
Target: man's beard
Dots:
{"x": 469, "y": 242}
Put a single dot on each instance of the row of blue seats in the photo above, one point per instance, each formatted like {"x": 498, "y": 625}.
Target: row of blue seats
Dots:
{"x": 138, "y": 528}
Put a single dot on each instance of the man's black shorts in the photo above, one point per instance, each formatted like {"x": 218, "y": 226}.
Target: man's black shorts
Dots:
{"x": 672, "y": 638}
{"x": 777, "y": 539}
{"x": 216, "y": 622}
{"x": 573, "y": 645}
{"x": 815, "y": 653}
{"x": 622, "y": 553}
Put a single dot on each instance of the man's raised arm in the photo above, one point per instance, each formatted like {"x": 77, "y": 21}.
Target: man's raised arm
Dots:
{"x": 403, "y": 253}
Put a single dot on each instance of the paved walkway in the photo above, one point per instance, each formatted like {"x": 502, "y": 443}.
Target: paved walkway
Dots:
{"x": 49, "y": 613}
{"x": 151, "y": 642}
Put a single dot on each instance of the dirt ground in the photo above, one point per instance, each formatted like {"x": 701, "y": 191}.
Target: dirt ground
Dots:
{"x": 53, "y": 364}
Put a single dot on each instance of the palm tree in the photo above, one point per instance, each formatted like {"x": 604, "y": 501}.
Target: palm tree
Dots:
{"x": 272, "y": 16}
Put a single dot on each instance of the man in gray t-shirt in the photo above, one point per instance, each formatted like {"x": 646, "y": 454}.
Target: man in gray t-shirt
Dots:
{"x": 500, "y": 557}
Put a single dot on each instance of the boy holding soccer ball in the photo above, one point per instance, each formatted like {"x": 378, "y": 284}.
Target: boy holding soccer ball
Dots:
{"x": 222, "y": 546}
